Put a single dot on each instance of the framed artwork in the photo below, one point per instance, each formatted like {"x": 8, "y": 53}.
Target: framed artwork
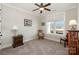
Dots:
{"x": 27, "y": 22}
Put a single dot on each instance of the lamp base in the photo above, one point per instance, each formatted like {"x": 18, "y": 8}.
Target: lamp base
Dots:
{"x": 74, "y": 27}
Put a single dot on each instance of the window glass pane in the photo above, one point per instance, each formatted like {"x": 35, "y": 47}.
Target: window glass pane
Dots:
{"x": 59, "y": 25}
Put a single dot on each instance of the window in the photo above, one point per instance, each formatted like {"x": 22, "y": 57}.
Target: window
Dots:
{"x": 56, "y": 26}
{"x": 59, "y": 26}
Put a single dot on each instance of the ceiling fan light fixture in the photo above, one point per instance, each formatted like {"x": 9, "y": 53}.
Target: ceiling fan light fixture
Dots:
{"x": 41, "y": 9}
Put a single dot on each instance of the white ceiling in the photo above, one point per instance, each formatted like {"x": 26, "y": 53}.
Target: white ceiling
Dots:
{"x": 54, "y": 6}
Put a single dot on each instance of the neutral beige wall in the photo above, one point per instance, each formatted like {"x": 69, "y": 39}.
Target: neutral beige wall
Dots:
{"x": 69, "y": 15}
{"x": 78, "y": 15}
{"x": 0, "y": 24}
{"x": 11, "y": 17}
{"x": 0, "y": 16}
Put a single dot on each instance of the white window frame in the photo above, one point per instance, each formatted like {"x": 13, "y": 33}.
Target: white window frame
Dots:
{"x": 48, "y": 27}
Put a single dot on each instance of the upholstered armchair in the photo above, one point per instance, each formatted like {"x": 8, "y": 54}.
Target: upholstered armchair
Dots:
{"x": 40, "y": 34}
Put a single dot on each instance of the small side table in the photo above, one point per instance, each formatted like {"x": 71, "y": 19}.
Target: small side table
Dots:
{"x": 17, "y": 41}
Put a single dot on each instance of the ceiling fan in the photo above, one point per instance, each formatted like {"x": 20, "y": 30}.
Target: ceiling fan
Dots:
{"x": 42, "y": 7}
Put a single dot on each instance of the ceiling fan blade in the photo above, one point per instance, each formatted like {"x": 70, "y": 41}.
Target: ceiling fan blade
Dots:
{"x": 36, "y": 9}
{"x": 47, "y": 9}
{"x": 47, "y": 4}
{"x": 41, "y": 11}
{"x": 37, "y": 5}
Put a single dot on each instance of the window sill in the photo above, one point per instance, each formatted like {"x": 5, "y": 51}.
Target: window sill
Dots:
{"x": 55, "y": 34}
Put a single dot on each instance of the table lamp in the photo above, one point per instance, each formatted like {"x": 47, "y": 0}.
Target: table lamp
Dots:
{"x": 73, "y": 24}
{"x": 15, "y": 29}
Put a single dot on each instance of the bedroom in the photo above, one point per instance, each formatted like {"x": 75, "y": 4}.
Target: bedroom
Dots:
{"x": 21, "y": 18}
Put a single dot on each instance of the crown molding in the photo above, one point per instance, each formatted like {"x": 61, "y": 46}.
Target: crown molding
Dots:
{"x": 21, "y": 9}
{"x": 32, "y": 13}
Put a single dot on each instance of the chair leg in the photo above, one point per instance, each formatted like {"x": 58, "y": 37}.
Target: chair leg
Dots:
{"x": 64, "y": 43}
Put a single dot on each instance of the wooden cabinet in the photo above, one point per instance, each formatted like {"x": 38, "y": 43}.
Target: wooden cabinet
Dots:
{"x": 73, "y": 42}
{"x": 17, "y": 41}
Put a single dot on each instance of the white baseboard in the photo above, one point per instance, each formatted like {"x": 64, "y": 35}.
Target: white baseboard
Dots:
{"x": 9, "y": 45}
{"x": 6, "y": 46}
{"x": 28, "y": 40}
{"x": 57, "y": 40}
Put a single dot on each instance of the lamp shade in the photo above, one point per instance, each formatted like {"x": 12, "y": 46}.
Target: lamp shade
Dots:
{"x": 15, "y": 27}
{"x": 72, "y": 22}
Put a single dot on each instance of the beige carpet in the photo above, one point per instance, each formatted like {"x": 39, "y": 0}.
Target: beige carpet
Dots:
{"x": 36, "y": 47}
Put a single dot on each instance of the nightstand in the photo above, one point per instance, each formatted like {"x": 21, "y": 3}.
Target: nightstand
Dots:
{"x": 17, "y": 41}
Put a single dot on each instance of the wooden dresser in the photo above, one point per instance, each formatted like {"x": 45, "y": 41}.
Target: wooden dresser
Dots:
{"x": 78, "y": 48}
{"x": 17, "y": 41}
{"x": 73, "y": 42}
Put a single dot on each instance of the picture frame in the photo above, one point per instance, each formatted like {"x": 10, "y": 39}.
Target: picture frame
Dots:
{"x": 27, "y": 22}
